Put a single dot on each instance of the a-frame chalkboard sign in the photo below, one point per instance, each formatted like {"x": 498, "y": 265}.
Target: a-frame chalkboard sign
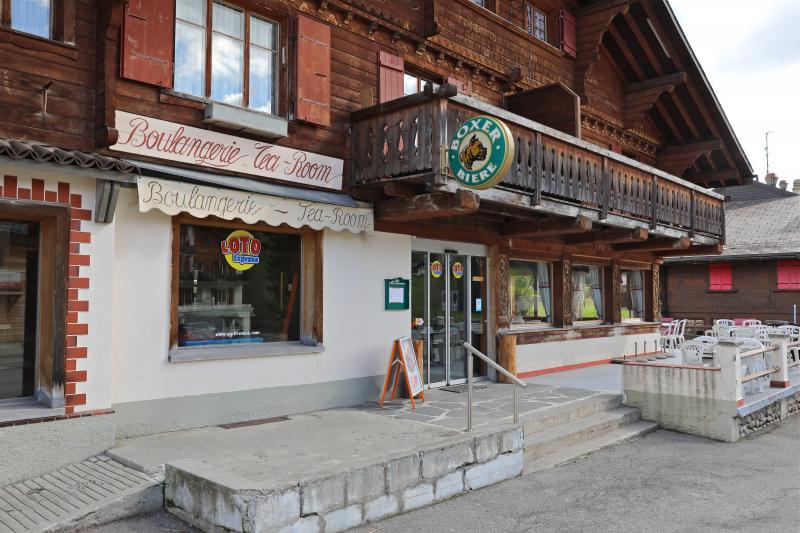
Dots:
{"x": 403, "y": 360}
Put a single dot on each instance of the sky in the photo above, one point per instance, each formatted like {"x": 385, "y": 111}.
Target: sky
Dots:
{"x": 750, "y": 51}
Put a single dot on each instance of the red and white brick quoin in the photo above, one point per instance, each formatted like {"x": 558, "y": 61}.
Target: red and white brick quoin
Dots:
{"x": 79, "y": 258}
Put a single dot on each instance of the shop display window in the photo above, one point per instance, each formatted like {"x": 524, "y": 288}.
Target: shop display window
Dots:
{"x": 238, "y": 286}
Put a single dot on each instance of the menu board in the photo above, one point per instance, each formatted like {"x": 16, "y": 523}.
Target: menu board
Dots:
{"x": 410, "y": 365}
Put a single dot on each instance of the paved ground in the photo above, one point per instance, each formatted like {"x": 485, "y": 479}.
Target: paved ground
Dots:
{"x": 663, "y": 482}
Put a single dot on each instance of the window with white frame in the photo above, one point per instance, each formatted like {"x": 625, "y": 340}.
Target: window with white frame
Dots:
{"x": 226, "y": 54}
{"x": 537, "y": 22}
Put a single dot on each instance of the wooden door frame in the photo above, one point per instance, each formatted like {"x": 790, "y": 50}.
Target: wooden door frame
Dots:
{"x": 54, "y": 227}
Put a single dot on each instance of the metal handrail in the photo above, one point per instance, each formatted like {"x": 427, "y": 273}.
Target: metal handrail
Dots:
{"x": 516, "y": 382}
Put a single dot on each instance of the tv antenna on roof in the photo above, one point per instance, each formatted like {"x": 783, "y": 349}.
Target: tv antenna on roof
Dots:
{"x": 766, "y": 147}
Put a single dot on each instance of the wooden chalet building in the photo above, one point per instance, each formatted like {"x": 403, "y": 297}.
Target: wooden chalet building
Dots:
{"x": 202, "y": 201}
{"x": 757, "y": 275}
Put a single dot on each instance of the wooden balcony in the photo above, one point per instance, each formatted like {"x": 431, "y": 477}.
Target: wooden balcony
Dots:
{"x": 403, "y": 142}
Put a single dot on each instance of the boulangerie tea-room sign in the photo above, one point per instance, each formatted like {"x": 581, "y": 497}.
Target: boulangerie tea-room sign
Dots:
{"x": 157, "y": 138}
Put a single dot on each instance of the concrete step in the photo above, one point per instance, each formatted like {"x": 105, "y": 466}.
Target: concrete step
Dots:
{"x": 554, "y": 438}
{"x": 584, "y": 448}
{"x": 96, "y": 491}
{"x": 539, "y": 421}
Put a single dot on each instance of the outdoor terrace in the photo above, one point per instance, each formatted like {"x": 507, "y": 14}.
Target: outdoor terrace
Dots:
{"x": 557, "y": 184}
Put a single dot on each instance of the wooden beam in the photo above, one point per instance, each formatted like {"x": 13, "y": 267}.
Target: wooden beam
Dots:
{"x": 656, "y": 244}
{"x": 427, "y": 206}
{"x": 610, "y": 236}
{"x": 547, "y": 226}
{"x": 676, "y": 159}
{"x": 592, "y": 23}
{"x": 653, "y": 83}
{"x": 399, "y": 189}
{"x": 707, "y": 249}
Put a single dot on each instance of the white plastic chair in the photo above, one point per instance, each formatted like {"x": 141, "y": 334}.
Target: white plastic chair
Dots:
{"x": 753, "y": 364}
{"x": 692, "y": 353}
{"x": 724, "y": 322}
{"x": 675, "y": 335}
{"x": 751, "y": 322}
{"x": 761, "y": 332}
{"x": 741, "y": 332}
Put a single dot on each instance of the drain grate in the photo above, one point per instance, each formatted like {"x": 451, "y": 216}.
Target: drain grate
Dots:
{"x": 462, "y": 388}
{"x": 254, "y": 422}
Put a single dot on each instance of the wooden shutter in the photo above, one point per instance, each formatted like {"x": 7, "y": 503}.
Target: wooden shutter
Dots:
{"x": 313, "y": 71}
{"x": 390, "y": 77}
{"x": 789, "y": 274}
{"x": 148, "y": 42}
{"x": 463, "y": 87}
{"x": 568, "y": 41}
{"x": 720, "y": 277}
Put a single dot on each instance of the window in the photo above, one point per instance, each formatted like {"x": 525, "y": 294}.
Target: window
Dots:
{"x": 788, "y": 275}
{"x": 412, "y": 83}
{"x": 478, "y": 2}
{"x": 530, "y": 295}
{"x": 238, "y": 287}
{"x": 536, "y": 22}
{"x": 242, "y": 53}
{"x": 587, "y": 293}
{"x": 720, "y": 277}
{"x": 631, "y": 294}
{"x": 32, "y": 16}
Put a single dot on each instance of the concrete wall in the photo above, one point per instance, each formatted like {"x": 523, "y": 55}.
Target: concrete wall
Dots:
{"x": 692, "y": 400}
{"x": 546, "y": 355}
{"x": 151, "y": 394}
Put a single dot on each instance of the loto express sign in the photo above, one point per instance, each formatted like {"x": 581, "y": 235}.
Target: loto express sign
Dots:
{"x": 167, "y": 140}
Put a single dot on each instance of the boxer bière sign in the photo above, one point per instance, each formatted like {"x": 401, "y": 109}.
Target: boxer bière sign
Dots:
{"x": 481, "y": 152}
{"x": 167, "y": 140}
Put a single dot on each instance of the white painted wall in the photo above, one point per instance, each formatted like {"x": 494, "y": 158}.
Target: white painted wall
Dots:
{"x": 100, "y": 273}
{"x": 357, "y": 331}
{"x": 532, "y": 357}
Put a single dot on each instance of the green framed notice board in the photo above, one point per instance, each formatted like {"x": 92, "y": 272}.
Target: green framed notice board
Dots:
{"x": 395, "y": 294}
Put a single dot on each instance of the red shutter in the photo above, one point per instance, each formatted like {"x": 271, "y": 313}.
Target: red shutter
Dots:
{"x": 789, "y": 274}
{"x": 313, "y": 71}
{"x": 390, "y": 77}
{"x": 720, "y": 277}
{"x": 148, "y": 42}
{"x": 568, "y": 41}
{"x": 463, "y": 87}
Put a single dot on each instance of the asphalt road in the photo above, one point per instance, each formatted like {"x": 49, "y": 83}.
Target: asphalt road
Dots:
{"x": 663, "y": 482}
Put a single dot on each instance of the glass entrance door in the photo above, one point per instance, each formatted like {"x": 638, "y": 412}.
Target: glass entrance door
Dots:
{"x": 19, "y": 263}
{"x": 446, "y": 313}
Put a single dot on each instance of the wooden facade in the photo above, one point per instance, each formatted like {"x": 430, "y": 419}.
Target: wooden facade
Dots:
{"x": 617, "y": 129}
{"x": 755, "y": 293}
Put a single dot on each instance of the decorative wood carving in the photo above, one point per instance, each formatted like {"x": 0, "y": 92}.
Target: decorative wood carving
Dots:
{"x": 592, "y": 23}
{"x": 655, "y": 273}
{"x": 503, "y": 303}
{"x": 616, "y": 292}
{"x": 566, "y": 292}
{"x": 640, "y": 97}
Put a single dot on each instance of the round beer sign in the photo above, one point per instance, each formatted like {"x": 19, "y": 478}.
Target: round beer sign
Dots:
{"x": 458, "y": 270}
{"x": 481, "y": 151}
{"x": 241, "y": 250}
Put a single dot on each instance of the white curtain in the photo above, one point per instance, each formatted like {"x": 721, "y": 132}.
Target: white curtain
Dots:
{"x": 637, "y": 293}
{"x": 595, "y": 280}
{"x": 578, "y": 284}
{"x": 543, "y": 283}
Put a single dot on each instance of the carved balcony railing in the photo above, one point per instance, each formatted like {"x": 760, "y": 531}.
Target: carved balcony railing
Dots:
{"x": 407, "y": 138}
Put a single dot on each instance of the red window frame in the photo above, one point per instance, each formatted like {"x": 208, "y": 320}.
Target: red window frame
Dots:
{"x": 788, "y": 275}
{"x": 720, "y": 277}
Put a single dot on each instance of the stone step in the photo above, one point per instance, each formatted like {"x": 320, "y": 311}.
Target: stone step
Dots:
{"x": 584, "y": 448}
{"x": 555, "y": 416}
{"x": 557, "y": 437}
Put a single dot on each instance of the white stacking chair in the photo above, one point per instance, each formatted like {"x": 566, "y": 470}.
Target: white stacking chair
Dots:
{"x": 750, "y": 323}
{"x": 692, "y": 353}
{"x": 674, "y": 336}
{"x": 761, "y": 332}
{"x": 724, "y": 322}
{"x": 741, "y": 332}
{"x": 753, "y": 364}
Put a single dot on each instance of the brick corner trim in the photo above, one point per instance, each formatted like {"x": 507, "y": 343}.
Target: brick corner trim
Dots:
{"x": 78, "y": 259}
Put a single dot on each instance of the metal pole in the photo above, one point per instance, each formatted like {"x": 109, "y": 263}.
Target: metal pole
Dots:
{"x": 794, "y": 314}
{"x": 645, "y": 348}
{"x": 516, "y": 404}
{"x": 469, "y": 390}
